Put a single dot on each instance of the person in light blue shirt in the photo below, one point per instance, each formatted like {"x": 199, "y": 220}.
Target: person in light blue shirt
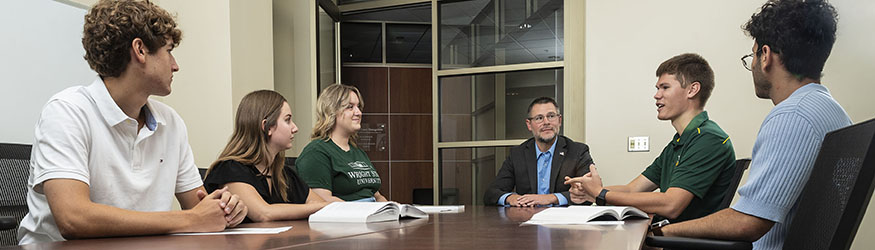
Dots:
{"x": 792, "y": 40}
{"x": 533, "y": 171}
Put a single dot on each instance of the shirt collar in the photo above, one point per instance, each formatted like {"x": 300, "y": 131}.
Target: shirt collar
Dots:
{"x": 810, "y": 87}
{"x": 551, "y": 150}
{"x": 151, "y": 123}
{"x": 111, "y": 112}
{"x": 691, "y": 129}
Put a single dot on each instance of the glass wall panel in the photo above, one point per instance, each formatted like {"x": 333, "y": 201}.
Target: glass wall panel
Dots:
{"x": 327, "y": 71}
{"x": 466, "y": 173}
{"x": 499, "y": 32}
{"x": 492, "y": 106}
{"x": 418, "y": 13}
{"x": 361, "y": 42}
{"x": 408, "y": 43}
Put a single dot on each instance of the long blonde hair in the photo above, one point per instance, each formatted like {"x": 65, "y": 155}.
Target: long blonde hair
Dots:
{"x": 332, "y": 101}
{"x": 249, "y": 143}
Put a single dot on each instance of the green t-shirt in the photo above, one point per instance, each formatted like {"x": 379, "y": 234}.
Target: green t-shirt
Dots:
{"x": 348, "y": 174}
{"x": 700, "y": 161}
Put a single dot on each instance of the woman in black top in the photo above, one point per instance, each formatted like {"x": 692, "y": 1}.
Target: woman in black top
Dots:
{"x": 252, "y": 164}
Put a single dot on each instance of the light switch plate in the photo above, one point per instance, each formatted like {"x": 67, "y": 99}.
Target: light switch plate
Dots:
{"x": 639, "y": 144}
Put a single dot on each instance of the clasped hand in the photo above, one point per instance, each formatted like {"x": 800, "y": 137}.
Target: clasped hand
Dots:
{"x": 586, "y": 187}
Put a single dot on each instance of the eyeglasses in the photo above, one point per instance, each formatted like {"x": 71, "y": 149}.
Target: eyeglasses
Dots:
{"x": 747, "y": 61}
{"x": 552, "y": 117}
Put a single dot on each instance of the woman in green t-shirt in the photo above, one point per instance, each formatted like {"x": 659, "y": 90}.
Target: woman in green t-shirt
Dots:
{"x": 331, "y": 164}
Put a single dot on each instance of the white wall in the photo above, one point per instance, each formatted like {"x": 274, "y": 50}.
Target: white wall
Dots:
{"x": 41, "y": 55}
{"x": 626, "y": 40}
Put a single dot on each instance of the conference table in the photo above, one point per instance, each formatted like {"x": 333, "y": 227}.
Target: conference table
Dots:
{"x": 478, "y": 227}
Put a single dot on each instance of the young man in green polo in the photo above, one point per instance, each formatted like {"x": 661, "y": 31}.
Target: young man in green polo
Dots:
{"x": 694, "y": 169}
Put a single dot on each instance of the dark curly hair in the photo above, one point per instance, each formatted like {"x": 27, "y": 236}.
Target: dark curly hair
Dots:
{"x": 689, "y": 68}
{"x": 111, "y": 25}
{"x": 801, "y": 31}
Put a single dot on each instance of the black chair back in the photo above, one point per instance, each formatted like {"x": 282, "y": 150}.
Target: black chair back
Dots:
{"x": 741, "y": 165}
{"x": 836, "y": 195}
{"x": 290, "y": 163}
{"x": 14, "y": 170}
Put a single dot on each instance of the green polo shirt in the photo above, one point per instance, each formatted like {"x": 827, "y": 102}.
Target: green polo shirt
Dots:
{"x": 349, "y": 175}
{"x": 700, "y": 161}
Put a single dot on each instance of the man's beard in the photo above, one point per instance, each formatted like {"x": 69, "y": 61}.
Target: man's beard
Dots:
{"x": 761, "y": 85}
{"x": 545, "y": 140}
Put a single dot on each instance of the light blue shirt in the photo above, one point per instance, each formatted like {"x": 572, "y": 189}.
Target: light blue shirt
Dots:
{"x": 783, "y": 156}
{"x": 544, "y": 167}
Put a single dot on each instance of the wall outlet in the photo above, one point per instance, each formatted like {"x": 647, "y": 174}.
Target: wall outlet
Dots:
{"x": 639, "y": 144}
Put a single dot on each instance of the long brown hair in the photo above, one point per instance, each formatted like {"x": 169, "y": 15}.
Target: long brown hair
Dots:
{"x": 249, "y": 143}
{"x": 331, "y": 102}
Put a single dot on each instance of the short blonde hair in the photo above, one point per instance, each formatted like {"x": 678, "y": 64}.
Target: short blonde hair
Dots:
{"x": 333, "y": 100}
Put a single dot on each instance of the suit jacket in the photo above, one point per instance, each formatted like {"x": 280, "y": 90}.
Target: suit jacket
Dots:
{"x": 520, "y": 171}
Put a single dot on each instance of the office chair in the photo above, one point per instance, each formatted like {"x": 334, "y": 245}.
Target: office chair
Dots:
{"x": 831, "y": 205}
{"x": 741, "y": 165}
{"x": 290, "y": 163}
{"x": 14, "y": 170}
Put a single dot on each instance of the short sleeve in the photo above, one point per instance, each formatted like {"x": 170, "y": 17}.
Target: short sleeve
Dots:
{"x": 654, "y": 171}
{"x": 61, "y": 150}
{"x": 783, "y": 157}
{"x": 314, "y": 167}
{"x": 700, "y": 166}
{"x": 227, "y": 172}
{"x": 188, "y": 177}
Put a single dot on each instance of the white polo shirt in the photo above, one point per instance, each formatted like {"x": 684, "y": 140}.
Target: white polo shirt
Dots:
{"x": 83, "y": 135}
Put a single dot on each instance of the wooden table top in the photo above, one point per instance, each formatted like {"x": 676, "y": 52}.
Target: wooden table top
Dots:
{"x": 478, "y": 227}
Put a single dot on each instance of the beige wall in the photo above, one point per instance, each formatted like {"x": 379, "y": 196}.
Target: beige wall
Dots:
{"x": 294, "y": 38}
{"x": 225, "y": 53}
{"x": 251, "y": 48}
{"x": 202, "y": 87}
{"x": 627, "y": 40}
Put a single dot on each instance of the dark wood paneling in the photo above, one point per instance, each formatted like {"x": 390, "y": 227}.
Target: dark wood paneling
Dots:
{"x": 385, "y": 178}
{"x": 410, "y": 90}
{"x": 371, "y": 140}
{"x": 409, "y": 175}
{"x": 373, "y": 83}
{"x": 410, "y": 138}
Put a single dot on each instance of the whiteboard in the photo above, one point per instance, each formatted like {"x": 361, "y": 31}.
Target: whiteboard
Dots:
{"x": 41, "y": 51}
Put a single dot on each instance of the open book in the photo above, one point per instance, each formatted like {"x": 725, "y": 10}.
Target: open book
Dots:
{"x": 585, "y": 215}
{"x": 365, "y": 212}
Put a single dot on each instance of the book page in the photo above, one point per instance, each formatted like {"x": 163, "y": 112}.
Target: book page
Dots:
{"x": 577, "y": 215}
{"x": 349, "y": 211}
{"x": 412, "y": 212}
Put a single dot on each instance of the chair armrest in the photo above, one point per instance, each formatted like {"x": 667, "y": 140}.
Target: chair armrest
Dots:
{"x": 8, "y": 222}
{"x": 695, "y": 243}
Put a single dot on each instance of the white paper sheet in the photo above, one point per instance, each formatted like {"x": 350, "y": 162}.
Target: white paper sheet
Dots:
{"x": 441, "y": 209}
{"x": 251, "y": 230}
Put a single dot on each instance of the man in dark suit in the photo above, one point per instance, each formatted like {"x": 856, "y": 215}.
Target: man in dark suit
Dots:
{"x": 532, "y": 173}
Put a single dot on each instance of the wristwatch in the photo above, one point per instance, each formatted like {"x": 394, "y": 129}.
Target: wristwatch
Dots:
{"x": 600, "y": 200}
{"x": 656, "y": 228}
